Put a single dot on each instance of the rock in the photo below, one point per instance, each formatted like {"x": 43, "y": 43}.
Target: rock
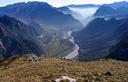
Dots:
{"x": 65, "y": 78}
{"x": 32, "y": 58}
{"x": 98, "y": 74}
{"x": 108, "y": 73}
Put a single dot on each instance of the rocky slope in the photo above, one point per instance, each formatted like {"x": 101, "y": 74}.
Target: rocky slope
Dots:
{"x": 17, "y": 38}
{"x": 16, "y": 69}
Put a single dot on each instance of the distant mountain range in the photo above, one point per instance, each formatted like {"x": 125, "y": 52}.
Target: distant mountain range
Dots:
{"x": 116, "y": 5}
{"x": 118, "y": 10}
{"x": 17, "y": 38}
{"x": 42, "y": 13}
{"x": 99, "y": 36}
{"x": 83, "y": 6}
{"x": 66, "y": 10}
{"x": 107, "y": 11}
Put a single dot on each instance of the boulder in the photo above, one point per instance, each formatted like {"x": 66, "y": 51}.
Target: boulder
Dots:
{"x": 65, "y": 78}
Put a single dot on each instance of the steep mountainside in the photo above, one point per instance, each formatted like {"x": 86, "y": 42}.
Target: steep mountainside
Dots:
{"x": 99, "y": 36}
{"x": 17, "y": 27}
{"x": 120, "y": 50}
{"x": 42, "y": 13}
{"x": 17, "y": 38}
{"x": 105, "y": 11}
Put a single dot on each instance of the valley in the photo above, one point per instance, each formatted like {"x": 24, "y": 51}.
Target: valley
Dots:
{"x": 42, "y": 42}
{"x": 61, "y": 44}
{"x": 60, "y": 31}
{"x": 55, "y": 43}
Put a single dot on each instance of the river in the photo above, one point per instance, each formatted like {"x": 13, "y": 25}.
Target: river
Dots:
{"x": 74, "y": 54}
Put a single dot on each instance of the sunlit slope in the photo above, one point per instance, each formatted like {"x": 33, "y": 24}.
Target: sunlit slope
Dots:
{"x": 48, "y": 69}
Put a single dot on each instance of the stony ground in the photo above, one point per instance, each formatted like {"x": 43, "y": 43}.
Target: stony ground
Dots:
{"x": 48, "y": 69}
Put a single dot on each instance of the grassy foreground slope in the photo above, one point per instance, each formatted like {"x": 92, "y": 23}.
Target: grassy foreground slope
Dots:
{"x": 48, "y": 69}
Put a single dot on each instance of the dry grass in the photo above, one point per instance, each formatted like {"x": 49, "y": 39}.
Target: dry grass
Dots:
{"x": 49, "y": 69}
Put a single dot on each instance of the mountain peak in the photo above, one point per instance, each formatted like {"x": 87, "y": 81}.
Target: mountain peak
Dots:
{"x": 105, "y": 11}
{"x": 30, "y": 3}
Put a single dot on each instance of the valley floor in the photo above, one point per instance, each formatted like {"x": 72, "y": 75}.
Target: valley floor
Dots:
{"x": 49, "y": 69}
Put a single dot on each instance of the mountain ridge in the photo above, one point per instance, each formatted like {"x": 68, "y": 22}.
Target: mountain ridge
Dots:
{"x": 45, "y": 15}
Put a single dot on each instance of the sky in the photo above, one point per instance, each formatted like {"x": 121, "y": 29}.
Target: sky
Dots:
{"x": 58, "y": 3}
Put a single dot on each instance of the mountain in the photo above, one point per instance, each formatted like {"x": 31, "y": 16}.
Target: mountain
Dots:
{"x": 83, "y": 13}
{"x": 116, "y": 5}
{"x": 122, "y": 10}
{"x": 99, "y": 36}
{"x": 17, "y": 38}
{"x": 65, "y": 10}
{"x": 105, "y": 11}
{"x": 19, "y": 27}
{"x": 108, "y": 11}
{"x": 83, "y": 6}
{"x": 42, "y": 13}
{"x": 120, "y": 50}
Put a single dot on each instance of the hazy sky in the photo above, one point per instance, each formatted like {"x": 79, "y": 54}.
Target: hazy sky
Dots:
{"x": 58, "y": 3}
